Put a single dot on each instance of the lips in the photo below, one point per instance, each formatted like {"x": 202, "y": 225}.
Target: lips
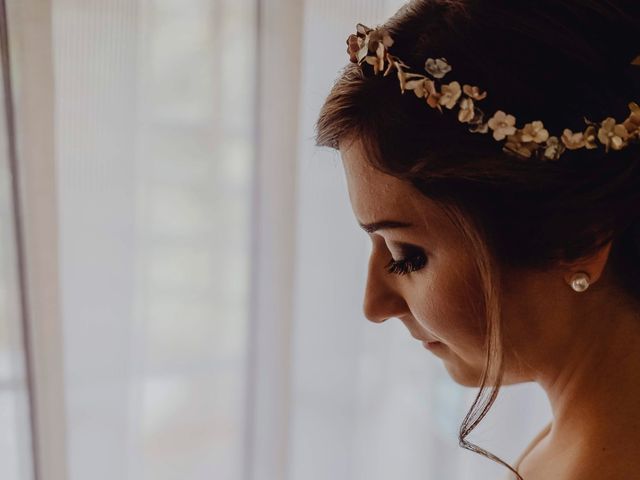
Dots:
{"x": 431, "y": 345}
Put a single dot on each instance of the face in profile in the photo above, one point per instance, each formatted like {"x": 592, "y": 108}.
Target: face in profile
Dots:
{"x": 420, "y": 269}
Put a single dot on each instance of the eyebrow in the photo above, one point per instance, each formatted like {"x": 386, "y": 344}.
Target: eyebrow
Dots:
{"x": 383, "y": 225}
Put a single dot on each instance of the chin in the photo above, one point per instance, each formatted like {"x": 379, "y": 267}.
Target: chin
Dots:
{"x": 464, "y": 375}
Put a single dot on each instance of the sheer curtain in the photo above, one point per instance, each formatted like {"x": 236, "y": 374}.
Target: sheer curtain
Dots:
{"x": 210, "y": 271}
{"x": 153, "y": 155}
{"x": 15, "y": 424}
{"x": 154, "y": 103}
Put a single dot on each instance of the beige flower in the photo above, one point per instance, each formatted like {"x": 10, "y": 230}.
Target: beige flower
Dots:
{"x": 479, "y": 128}
{"x": 386, "y": 39}
{"x": 632, "y": 123}
{"x": 379, "y": 41}
{"x": 466, "y": 113}
{"x": 590, "y": 137}
{"x": 473, "y": 92}
{"x": 512, "y": 147}
{"x": 450, "y": 95}
{"x": 432, "y": 95}
{"x": 376, "y": 62}
{"x": 553, "y": 149}
{"x": 402, "y": 75}
{"x": 573, "y": 141}
{"x": 415, "y": 82}
{"x": 394, "y": 62}
{"x": 515, "y": 144}
{"x": 378, "y": 59}
{"x": 477, "y": 122}
{"x": 502, "y": 125}
{"x": 437, "y": 68}
{"x": 534, "y": 132}
{"x": 362, "y": 29}
{"x": 612, "y": 135}
{"x": 358, "y": 45}
{"x": 369, "y": 46}
{"x": 353, "y": 47}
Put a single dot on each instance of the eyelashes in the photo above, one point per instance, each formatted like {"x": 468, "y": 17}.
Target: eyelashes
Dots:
{"x": 413, "y": 256}
{"x": 407, "y": 265}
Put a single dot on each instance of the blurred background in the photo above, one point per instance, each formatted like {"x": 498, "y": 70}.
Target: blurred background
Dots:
{"x": 181, "y": 275}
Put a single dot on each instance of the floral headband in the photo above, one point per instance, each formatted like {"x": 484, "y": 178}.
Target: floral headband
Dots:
{"x": 370, "y": 46}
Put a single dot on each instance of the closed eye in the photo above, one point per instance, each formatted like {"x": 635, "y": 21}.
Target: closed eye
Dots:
{"x": 407, "y": 265}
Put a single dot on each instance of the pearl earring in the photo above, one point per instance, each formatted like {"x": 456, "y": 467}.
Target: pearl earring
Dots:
{"x": 580, "y": 282}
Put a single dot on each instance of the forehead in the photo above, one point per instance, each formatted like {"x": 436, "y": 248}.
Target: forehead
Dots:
{"x": 376, "y": 195}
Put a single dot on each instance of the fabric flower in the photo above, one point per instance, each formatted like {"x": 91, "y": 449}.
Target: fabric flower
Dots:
{"x": 415, "y": 82}
{"x": 466, "y": 113}
{"x": 590, "y": 137}
{"x": 402, "y": 75}
{"x": 474, "y": 92}
{"x": 632, "y": 123}
{"x": 612, "y": 135}
{"x": 502, "y": 125}
{"x": 553, "y": 149}
{"x": 369, "y": 46}
{"x": 450, "y": 95}
{"x": 517, "y": 145}
{"x": 534, "y": 132}
{"x": 377, "y": 60}
{"x": 357, "y": 44}
{"x": 479, "y": 128}
{"x": 383, "y": 37}
{"x": 378, "y": 43}
{"x": 394, "y": 62}
{"x": 362, "y": 29}
{"x": 573, "y": 141}
{"x": 433, "y": 96}
{"x": 408, "y": 80}
{"x": 353, "y": 47}
{"x": 437, "y": 68}
{"x": 477, "y": 123}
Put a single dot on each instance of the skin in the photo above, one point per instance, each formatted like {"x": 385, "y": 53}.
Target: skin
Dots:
{"x": 582, "y": 348}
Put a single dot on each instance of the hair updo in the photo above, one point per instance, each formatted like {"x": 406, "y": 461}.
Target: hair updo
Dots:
{"x": 557, "y": 61}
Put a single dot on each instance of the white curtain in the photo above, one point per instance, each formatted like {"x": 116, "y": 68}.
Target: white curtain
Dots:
{"x": 210, "y": 270}
{"x": 154, "y": 105}
{"x": 15, "y": 428}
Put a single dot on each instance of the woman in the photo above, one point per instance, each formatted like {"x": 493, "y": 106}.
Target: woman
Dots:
{"x": 492, "y": 152}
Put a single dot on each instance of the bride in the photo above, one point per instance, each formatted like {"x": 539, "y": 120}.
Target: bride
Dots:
{"x": 492, "y": 153}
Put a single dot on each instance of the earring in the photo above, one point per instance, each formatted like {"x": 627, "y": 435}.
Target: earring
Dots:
{"x": 580, "y": 281}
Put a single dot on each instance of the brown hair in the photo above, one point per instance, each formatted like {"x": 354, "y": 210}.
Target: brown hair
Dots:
{"x": 549, "y": 60}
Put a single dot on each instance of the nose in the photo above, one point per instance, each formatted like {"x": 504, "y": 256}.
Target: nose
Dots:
{"x": 382, "y": 299}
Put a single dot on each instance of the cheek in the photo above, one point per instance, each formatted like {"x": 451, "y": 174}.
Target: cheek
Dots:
{"x": 452, "y": 313}
{"x": 448, "y": 304}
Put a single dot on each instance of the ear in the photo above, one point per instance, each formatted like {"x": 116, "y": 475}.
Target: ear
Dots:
{"x": 592, "y": 266}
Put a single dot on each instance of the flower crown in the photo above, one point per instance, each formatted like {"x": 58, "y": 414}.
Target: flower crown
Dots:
{"x": 533, "y": 140}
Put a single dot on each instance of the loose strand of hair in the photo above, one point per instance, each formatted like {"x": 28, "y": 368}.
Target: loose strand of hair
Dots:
{"x": 493, "y": 371}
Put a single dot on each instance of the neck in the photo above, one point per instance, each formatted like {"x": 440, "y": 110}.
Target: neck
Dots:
{"x": 594, "y": 384}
